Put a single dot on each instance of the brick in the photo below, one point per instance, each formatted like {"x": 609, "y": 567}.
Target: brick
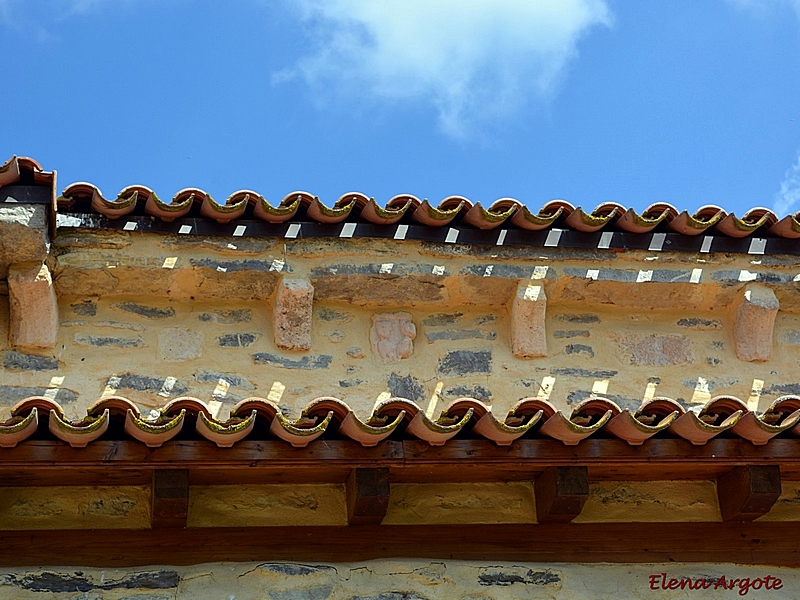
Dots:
{"x": 528, "y": 334}
{"x": 754, "y": 314}
{"x": 294, "y": 304}
{"x": 34, "y": 308}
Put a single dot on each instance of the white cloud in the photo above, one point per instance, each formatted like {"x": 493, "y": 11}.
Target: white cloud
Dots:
{"x": 788, "y": 197}
{"x": 475, "y": 61}
{"x": 761, "y": 8}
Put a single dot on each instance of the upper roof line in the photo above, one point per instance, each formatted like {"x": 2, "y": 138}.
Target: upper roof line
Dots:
{"x": 455, "y": 211}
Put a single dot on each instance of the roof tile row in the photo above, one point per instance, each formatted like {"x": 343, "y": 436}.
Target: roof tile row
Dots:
{"x": 258, "y": 418}
{"x": 454, "y": 210}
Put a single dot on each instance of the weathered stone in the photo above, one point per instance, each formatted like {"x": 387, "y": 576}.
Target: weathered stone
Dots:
{"x": 307, "y": 593}
{"x": 176, "y": 344}
{"x": 712, "y": 383}
{"x": 791, "y": 338}
{"x": 702, "y": 324}
{"x": 117, "y": 325}
{"x": 406, "y": 386}
{"x": 392, "y": 336}
{"x": 571, "y": 333}
{"x": 328, "y": 314}
{"x": 54, "y": 582}
{"x": 144, "y": 383}
{"x": 74, "y": 323}
{"x": 346, "y": 383}
{"x": 528, "y": 333}
{"x": 754, "y": 321}
{"x": 578, "y": 396}
{"x": 464, "y": 391}
{"x": 322, "y": 361}
{"x": 294, "y": 305}
{"x": 596, "y": 374}
{"x": 149, "y": 312}
{"x": 442, "y": 319}
{"x": 392, "y": 596}
{"x": 237, "y": 340}
{"x": 656, "y": 350}
{"x": 381, "y": 289}
{"x": 33, "y": 306}
{"x": 584, "y": 318}
{"x": 230, "y": 379}
{"x": 484, "y": 319}
{"x": 227, "y": 317}
{"x": 336, "y": 336}
{"x": 579, "y": 349}
{"x": 460, "y": 334}
{"x": 11, "y": 394}
{"x": 510, "y": 576}
{"x": 84, "y": 309}
{"x": 465, "y": 362}
{"x": 355, "y": 352}
{"x": 232, "y": 266}
{"x": 118, "y": 342}
{"x": 782, "y": 389}
{"x": 17, "y": 361}
{"x": 23, "y": 234}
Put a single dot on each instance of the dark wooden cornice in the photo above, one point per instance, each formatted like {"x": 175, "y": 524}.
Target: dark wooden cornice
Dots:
{"x": 754, "y": 543}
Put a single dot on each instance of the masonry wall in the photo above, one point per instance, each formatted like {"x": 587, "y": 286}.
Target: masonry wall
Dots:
{"x": 400, "y": 580}
{"x": 156, "y": 317}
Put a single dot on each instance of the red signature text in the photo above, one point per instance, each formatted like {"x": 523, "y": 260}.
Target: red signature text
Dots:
{"x": 743, "y": 585}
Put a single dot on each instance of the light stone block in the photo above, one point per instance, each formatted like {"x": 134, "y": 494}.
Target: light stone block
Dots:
{"x": 528, "y": 332}
{"x": 33, "y": 307}
{"x": 294, "y": 305}
{"x": 754, "y": 320}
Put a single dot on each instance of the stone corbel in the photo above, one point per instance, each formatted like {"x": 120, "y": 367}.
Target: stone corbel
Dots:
{"x": 754, "y": 320}
{"x": 528, "y": 310}
{"x": 291, "y": 320}
{"x": 33, "y": 307}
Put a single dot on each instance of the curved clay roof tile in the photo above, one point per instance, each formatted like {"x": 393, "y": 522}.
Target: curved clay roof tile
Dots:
{"x": 703, "y": 219}
{"x": 752, "y": 220}
{"x": 652, "y": 217}
{"x": 221, "y": 213}
{"x": 496, "y": 215}
{"x": 181, "y": 204}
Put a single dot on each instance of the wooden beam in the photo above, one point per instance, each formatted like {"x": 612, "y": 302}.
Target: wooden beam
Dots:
{"x": 748, "y": 543}
{"x": 560, "y": 494}
{"x": 170, "y": 498}
{"x": 367, "y": 496}
{"x": 745, "y": 493}
{"x": 115, "y": 462}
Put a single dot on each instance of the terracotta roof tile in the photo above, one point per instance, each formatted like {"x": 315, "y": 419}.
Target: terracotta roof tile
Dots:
{"x": 259, "y": 418}
{"x": 454, "y": 210}
{"x": 84, "y": 197}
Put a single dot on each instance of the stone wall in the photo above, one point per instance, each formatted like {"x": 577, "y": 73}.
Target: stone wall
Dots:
{"x": 406, "y": 580}
{"x": 154, "y": 317}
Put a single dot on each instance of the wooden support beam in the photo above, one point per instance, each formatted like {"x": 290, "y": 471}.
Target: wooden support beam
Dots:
{"x": 367, "y": 496}
{"x": 170, "y": 498}
{"x": 745, "y": 493}
{"x": 561, "y": 493}
{"x": 748, "y": 543}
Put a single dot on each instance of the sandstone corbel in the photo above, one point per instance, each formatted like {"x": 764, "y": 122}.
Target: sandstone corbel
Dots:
{"x": 754, "y": 319}
{"x": 528, "y": 333}
{"x": 291, "y": 321}
{"x": 33, "y": 307}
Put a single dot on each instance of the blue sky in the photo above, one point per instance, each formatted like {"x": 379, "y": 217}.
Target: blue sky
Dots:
{"x": 588, "y": 100}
